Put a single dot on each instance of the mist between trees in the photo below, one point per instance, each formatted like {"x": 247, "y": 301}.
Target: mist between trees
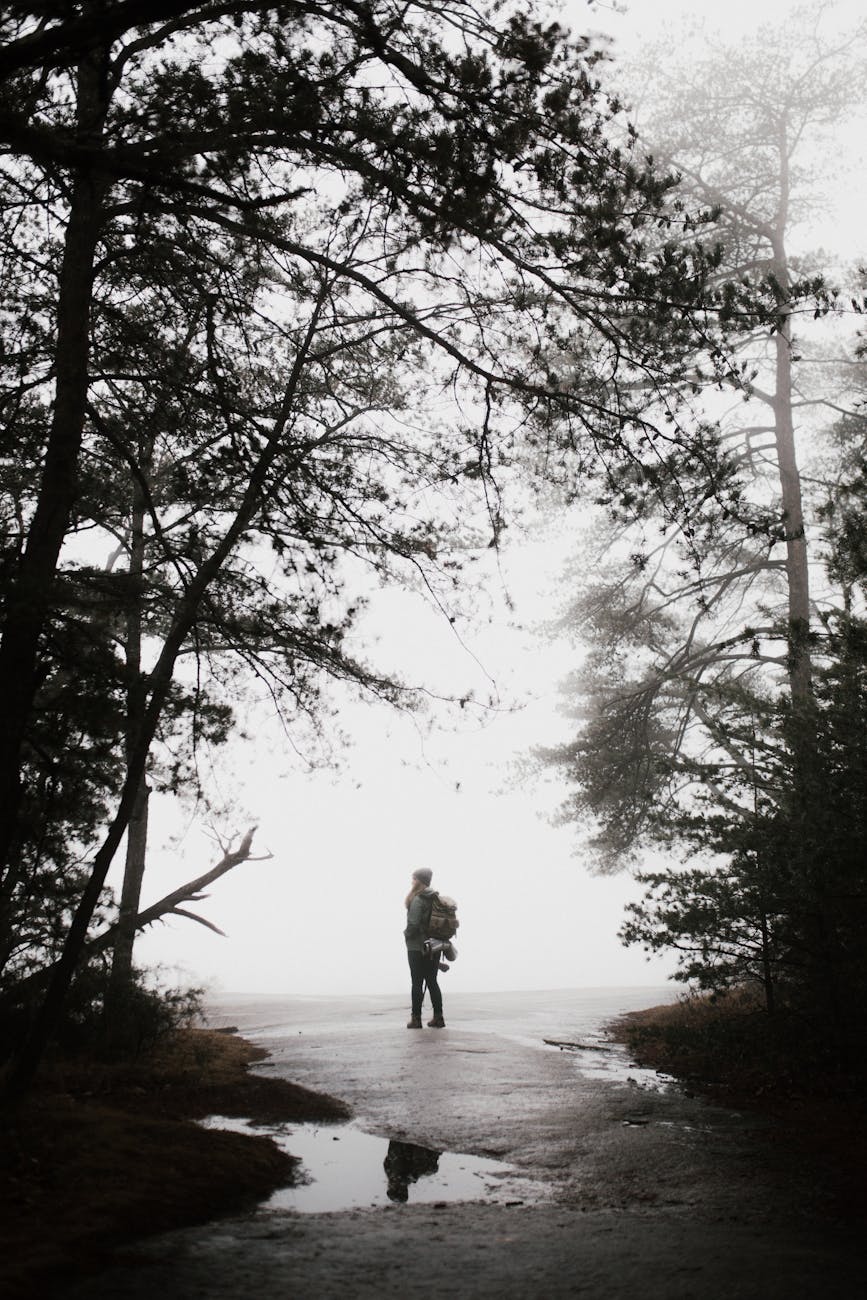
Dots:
{"x": 722, "y": 697}
{"x": 321, "y": 283}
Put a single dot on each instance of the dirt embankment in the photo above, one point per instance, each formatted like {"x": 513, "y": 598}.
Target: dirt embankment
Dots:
{"x": 100, "y": 1155}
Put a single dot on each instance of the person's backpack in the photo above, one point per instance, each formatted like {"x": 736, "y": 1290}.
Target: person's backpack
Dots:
{"x": 443, "y": 918}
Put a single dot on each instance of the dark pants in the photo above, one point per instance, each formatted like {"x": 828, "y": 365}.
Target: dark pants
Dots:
{"x": 423, "y": 969}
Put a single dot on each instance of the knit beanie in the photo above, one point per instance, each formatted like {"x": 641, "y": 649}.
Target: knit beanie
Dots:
{"x": 424, "y": 874}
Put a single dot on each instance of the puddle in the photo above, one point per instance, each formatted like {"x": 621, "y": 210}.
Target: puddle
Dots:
{"x": 347, "y": 1169}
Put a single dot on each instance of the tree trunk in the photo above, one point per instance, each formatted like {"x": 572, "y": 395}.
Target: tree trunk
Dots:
{"x": 120, "y": 979}
{"x": 117, "y": 1001}
{"x": 792, "y": 511}
{"x": 805, "y": 814}
{"x": 27, "y": 1061}
{"x": 30, "y": 594}
{"x": 173, "y": 904}
{"x": 767, "y": 967}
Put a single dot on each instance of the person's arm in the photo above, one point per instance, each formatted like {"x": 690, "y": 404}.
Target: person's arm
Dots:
{"x": 414, "y": 918}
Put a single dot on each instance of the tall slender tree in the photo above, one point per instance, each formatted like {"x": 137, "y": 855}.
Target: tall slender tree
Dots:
{"x": 705, "y": 593}
{"x": 704, "y": 632}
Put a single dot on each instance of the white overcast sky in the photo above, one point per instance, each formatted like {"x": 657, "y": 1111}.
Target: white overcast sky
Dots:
{"x": 324, "y": 914}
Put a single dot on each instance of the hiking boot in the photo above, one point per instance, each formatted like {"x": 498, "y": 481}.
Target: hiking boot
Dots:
{"x": 414, "y": 1022}
{"x": 436, "y": 1023}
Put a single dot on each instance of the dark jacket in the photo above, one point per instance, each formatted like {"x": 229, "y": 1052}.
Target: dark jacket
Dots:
{"x": 417, "y": 919}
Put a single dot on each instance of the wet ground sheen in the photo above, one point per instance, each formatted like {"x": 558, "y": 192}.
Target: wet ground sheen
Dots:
{"x": 344, "y": 1168}
{"x": 587, "y": 1177}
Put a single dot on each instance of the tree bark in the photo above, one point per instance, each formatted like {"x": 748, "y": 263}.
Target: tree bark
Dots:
{"x": 136, "y": 699}
{"x": 125, "y": 931}
{"x": 767, "y": 967}
{"x": 30, "y": 594}
{"x": 792, "y": 511}
{"x": 160, "y": 679}
{"x": 805, "y": 815}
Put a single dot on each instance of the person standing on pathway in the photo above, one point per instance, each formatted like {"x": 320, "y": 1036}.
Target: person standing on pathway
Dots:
{"x": 423, "y": 969}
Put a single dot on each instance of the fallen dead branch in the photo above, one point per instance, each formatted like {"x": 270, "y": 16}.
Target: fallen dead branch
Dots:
{"x": 563, "y": 1044}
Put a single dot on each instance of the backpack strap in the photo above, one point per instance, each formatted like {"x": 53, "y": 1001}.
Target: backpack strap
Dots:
{"x": 425, "y": 925}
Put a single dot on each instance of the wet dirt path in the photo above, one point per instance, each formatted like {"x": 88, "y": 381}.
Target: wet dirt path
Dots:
{"x": 643, "y": 1192}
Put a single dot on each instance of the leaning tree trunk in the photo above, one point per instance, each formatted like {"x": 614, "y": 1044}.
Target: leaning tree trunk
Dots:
{"x": 117, "y": 1004}
{"x": 120, "y": 981}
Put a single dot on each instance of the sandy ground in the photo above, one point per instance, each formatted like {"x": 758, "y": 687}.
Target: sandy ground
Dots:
{"x": 647, "y": 1193}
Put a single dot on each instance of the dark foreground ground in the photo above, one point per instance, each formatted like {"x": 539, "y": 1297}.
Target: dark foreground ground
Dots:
{"x": 629, "y": 1190}
{"x": 102, "y": 1155}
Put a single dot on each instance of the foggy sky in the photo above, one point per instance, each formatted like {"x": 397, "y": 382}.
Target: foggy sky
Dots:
{"x": 324, "y": 914}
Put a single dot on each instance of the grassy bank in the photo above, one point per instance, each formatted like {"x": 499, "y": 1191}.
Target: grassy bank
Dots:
{"x": 102, "y": 1154}
{"x": 728, "y": 1043}
{"x": 727, "y": 1049}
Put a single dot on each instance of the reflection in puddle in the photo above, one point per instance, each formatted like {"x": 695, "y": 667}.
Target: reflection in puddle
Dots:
{"x": 406, "y": 1163}
{"x": 346, "y": 1169}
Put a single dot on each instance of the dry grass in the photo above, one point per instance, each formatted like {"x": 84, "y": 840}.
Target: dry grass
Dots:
{"x": 709, "y": 1040}
{"x": 726, "y": 1048}
{"x": 100, "y": 1154}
